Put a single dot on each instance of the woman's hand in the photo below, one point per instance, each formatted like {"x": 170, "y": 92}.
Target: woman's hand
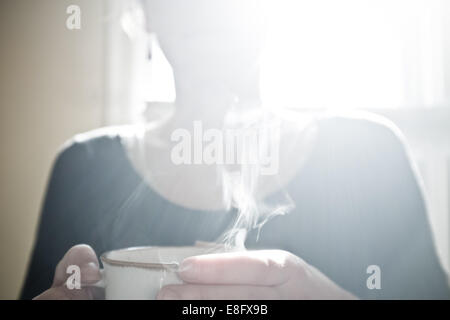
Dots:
{"x": 85, "y": 258}
{"x": 252, "y": 275}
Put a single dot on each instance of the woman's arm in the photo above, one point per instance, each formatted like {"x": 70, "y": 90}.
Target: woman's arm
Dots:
{"x": 55, "y": 235}
{"x": 377, "y": 210}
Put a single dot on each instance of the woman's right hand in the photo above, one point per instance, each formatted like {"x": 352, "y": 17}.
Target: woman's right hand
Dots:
{"x": 85, "y": 258}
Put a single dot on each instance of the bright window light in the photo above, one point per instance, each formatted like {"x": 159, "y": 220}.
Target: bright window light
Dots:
{"x": 346, "y": 54}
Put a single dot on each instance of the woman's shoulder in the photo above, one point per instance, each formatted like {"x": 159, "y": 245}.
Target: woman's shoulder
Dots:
{"x": 360, "y": 135}
{"x": 351, "y": 145}
{"x": 95, "y": 143}
{"x": 94, "y": 149}
{"x": 346, "y": 131}
{"x": 357, "y": 125}
{"x": 350, "y": 139}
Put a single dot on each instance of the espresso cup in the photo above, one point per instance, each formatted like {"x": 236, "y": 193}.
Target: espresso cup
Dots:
{"x": 139, "y": 273}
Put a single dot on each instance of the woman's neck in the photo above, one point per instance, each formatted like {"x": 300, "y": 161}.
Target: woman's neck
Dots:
{"x": 210, "y": 98}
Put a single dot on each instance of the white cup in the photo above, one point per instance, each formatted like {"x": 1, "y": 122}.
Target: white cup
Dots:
{"x": 139, "y": 273}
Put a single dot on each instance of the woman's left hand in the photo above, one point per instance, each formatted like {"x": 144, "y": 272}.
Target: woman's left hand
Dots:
{"x": 251, "y": 275}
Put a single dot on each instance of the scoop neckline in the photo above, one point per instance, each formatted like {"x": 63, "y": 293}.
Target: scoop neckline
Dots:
{"x": 120, "y": 141}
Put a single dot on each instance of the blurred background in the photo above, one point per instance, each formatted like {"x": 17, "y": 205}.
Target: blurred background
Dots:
{"x": 391, "y": 57}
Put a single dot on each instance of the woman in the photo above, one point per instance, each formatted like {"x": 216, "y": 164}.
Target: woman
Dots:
{"x": 356, "y": 196}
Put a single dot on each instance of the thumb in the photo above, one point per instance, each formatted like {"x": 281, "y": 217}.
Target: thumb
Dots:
{"x": 82, "y": 256}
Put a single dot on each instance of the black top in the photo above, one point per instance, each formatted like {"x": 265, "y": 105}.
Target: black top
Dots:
{"x": 358, "y": 203}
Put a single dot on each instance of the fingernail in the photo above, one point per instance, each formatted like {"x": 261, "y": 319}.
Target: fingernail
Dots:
{"x": 186, "y": 269}
{"x": 186, "y": 264}
{"x": 90, "y": 273}
{"x": 167, "y": 294}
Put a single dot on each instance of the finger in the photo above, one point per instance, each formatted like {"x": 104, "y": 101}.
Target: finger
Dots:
{"x": 217, "y": 292}
{"x": 85, "y": 258}
{"x": 63, "y": 293}
{"x": 263, "y": 267}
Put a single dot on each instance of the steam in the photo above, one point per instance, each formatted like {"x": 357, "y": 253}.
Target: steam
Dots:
{"x": 242, "y": 183}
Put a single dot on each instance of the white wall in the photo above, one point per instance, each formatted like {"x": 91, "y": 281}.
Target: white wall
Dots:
{"x": 50, "y": 88}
